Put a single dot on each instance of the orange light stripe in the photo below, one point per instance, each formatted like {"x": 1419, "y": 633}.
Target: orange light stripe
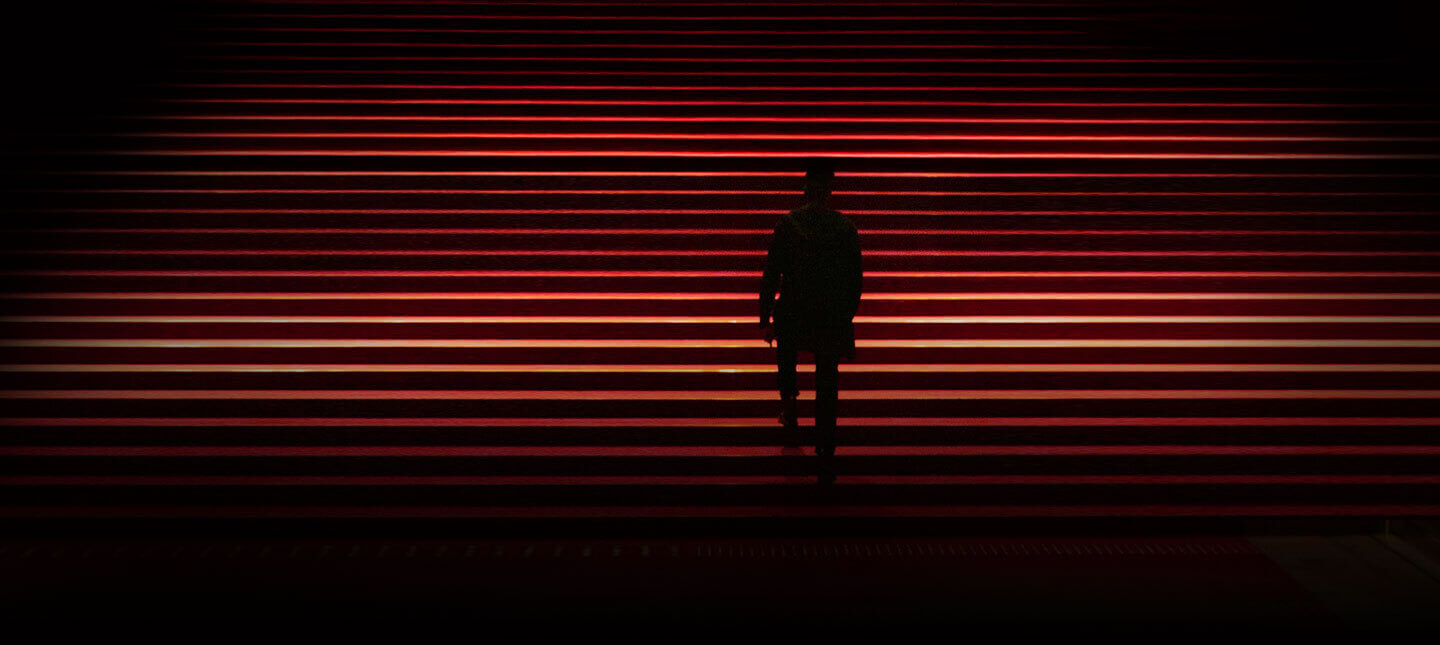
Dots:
{"x": 767, "y": 154}
{"x": 957, "y": 423}
{"x": 961, "y": 368}
{"x": 739, "y": 136}
{"x": 714, "y": 395}
{"x": 665, "y": 343}
{"x": 712, "y": 211}
{"x": 678, "y": 320}
{"x": 698, "y": 173}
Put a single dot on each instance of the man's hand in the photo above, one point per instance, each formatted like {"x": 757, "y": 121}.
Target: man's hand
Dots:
{"x": 769, "y": 333}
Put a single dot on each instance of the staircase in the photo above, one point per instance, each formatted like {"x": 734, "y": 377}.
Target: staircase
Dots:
{"x": 500, "y": 260}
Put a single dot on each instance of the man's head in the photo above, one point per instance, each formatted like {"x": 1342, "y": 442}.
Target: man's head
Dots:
{"x": 818, "y": 174}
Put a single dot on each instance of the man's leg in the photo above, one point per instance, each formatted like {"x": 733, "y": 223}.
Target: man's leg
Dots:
{"x": 827, "y": 385}
{"x": 785, "y": 358}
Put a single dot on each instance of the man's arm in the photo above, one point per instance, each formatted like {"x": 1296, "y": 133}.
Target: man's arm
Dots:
{"x": 854, "y": 273}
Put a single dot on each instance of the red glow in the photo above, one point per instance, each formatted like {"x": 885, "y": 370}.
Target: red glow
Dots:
{"x": 686, "y": 451}
{"x": 553, "y": 359}
{"x": 959, "y": 423}
{"x": 728, "y": 395}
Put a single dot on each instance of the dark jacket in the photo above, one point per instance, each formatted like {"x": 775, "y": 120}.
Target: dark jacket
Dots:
{"x": 814, "y": 261}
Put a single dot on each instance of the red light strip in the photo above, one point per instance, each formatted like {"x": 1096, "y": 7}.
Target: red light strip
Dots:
{"x": 842, "y": 61}
{"x": 714, "y": 395}
{"x": 677, "y": 18}
{"x": 765, "y": 88}
{"x": 634, "y": 253}
{"x": 688, "y": 451}
{"x": 721, "y": 231}
{"x": 785, "y": 119}
{"x": 573, "y": 154}
{"x": 928, "y": 232}
{"x": 685, "y": 3}
{"x": 746, "y": 297}
{"x": 724, "y": 274}
{"x": 712, "y": 511}
{"x": 746, "y": 136}
{"x": 746, "y": 320}
{"x": 706, "y": 211}
{"x": 684, "y": 173}
{"x": 700, "y": 480}
{"x": 902, "y": 193}
{"x": 938, "y": 368}
{"x": 664, "y": 32}
{"x": 664, "y": 343}
{"x": 552, "y": 72}
{"x": 951, "y": 103}
{"x": 957, "y": 423}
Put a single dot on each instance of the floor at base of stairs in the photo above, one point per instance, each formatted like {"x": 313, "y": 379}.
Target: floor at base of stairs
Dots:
{"x": 733, "y": 588}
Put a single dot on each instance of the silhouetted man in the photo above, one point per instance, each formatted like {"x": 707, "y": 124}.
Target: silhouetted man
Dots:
{"x": 814, "y": 261}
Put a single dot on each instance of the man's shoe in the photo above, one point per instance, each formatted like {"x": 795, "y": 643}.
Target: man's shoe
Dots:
{"x": 826, "y": 475}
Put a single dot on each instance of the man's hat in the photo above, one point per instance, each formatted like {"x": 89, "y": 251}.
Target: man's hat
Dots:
{"x": 820, "y": 171}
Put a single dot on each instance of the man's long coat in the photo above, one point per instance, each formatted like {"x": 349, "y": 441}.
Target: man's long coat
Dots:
{"x": 814, "y": 262}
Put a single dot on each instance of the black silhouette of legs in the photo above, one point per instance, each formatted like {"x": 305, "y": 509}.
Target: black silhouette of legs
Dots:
{"x": 827, "y": 393}
{"x": 785, "y": 358}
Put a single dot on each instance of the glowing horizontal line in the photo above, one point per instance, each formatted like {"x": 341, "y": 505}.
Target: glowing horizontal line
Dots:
{"x": 719, "y": 173}
{"x": 458, "y": 30}
{"x": 685, "y": 3}
{"x": 656, "y": 59}
{"x": 680, "y": 32}
{"x": 733, "y": 274}
{"x": 1269, "y": 104}
{"x": 663, "y": 343}
{"x": 711, "y": 211}
{"x": 755, "y": 154}
{"x": 783, "y": 119}
{"x": 766, "y": 88}
{"x": 734, "y": 296}
{"x": 900, "y": 193}
{"x": 715, "y": 395}
{"x": 746, "y": 136}
{"x": 678, "y": 18}
{"x": 883, "y": 368}
{"x": 698, "y": 480}
{"x": 709, "y": 253}
{"x": 691, "y": 451}
{"x": 425, "y": 423}
{"x": 770, "y": 73}
{"x": 714, "y": 231}
{"x": 826, "y": 510}
{"x": 747, "y": 320}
